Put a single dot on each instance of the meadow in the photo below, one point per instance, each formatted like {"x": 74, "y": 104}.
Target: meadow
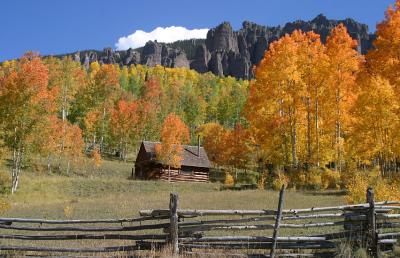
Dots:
{"x": 109, "y": 193}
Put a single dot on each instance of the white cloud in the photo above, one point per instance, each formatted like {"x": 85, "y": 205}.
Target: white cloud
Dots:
{"x": 166, "y": 35}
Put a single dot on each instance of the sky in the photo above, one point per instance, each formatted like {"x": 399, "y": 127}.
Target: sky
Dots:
{"x": 63, "y": 26}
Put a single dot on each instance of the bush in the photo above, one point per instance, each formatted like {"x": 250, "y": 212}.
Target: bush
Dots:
{"x": 5, "y": 182}
{"x": 261, "y": 181}
{"x": 247, "y": 177}
{"x": 313, "y": 179}
{"x": 346, "y": 250}
{"x": 384, "y": 189}
{"x": 330, "y": 179}
{"x": 279, "y": 180}
{"x": 297, "y": 179}
{"x": 229, "y": 181}
{"x": 68, "y": 211}
{"x": 4, "y": 206}
{"x": 302, "y": 179}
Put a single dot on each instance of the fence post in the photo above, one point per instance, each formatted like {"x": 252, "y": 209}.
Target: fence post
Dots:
{"x": 173, "y": 233}
{"x": 277, "y": 220}
{"x": 372, "y": 243}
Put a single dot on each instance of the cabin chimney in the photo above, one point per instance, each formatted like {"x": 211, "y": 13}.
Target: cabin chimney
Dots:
{"x": 198, "y": 145}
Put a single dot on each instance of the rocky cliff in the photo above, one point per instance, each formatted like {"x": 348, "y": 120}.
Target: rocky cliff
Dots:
{"x": 224, "y": 52}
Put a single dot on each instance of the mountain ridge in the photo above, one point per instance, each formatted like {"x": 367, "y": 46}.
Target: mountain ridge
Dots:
{"x": 225, "y": 52}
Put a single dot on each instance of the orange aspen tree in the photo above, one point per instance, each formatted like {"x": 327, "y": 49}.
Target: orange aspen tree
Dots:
{"x": 174, "y": 133}
{"x": 215, "y": 139}
{"x": 149, "y": 108}
{"x": 384, "y": 59}
{"x": 240, "y": 146}
{"x": 344, "y": 63}
{"x": 124, "y": 120}
{"x": 273, "y": 107}
{"x": 26, "y": 104}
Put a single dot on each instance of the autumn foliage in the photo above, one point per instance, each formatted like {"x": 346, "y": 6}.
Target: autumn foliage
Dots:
{"x": 314, "y": 113}
{"x": 298, "y": 107}
{"x": 174, "y": 133}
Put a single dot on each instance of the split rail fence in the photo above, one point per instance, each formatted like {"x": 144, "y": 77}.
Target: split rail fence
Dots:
{"x": 307, "y": 232}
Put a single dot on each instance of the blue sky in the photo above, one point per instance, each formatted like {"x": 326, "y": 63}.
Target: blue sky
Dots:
{"x": 55, "y": 26}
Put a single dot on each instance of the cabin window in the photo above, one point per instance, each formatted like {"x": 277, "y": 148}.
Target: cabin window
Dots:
{"x": 186, "y": 171}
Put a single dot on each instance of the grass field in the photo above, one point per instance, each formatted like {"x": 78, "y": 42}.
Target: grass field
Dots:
{"x": 111, "y": 194}
{"x": 108, "y": 193}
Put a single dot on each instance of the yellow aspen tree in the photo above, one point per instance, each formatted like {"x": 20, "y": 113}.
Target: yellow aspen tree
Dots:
{"x": 344, "y": 64}
{"x": 313, "y": 62}
{"x": 375, "y": 128}
{"x": 273, "y": 107}
{"x": 384, "y": 59}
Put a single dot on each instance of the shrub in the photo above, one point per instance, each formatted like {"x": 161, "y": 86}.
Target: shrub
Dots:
{"x": 4, "y": 206}
{"x": 330, "y": 179}
{"x": 384, "y": 189}
{"x": 303, "y": 179}
{"x": 279, "y": 180}
{"x": 297, "y": 179}
{"x": 261, "y": 181}
{"x": 356, "y": 186}
{"x": 346, "y": 250}
{"x": 246, "y": 177}
{"x": 96, "y": 157}
{"x": 313, "y": 179}
{"x": 68, "y": 210}
{"x": 5, "y": 182}
{"x": 229, "y": 181}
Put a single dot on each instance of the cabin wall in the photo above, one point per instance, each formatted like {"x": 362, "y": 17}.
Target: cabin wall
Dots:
{"x": 147, "y": 171}
{"x": 186, "y": 174}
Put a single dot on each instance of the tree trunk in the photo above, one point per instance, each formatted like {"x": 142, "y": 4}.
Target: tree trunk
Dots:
{"x": 294, "y": 146}
{"x": 64, "y": 112}
{"x": 317, "y": 126}
{"x": 102, "y": 131}
{"x": 49, "y": 163}
{"x": 338, "y": 132}
{"x": 308, "y": 132}
{"x": 169, "y": 173}
{"x": 16, "y": 169}
{"x": 125, "y": 151}
{"x": 294, "y": 138}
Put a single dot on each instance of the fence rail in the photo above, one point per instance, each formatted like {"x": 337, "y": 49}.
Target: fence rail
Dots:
{"x": 307, "y": 232}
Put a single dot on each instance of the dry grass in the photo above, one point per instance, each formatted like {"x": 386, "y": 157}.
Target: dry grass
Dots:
{"x": 107, "y": 193}
{"x": 47, "y": 196}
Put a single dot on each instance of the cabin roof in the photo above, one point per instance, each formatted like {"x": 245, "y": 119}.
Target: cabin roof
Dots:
{"x": 191, "y": 158}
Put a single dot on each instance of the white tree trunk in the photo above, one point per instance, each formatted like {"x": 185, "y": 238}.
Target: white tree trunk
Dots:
{"x": 317, "y": 128}
{"x": 169, "y": 174}
{"x": 49, "y": 163}
{"x": 102, "y": 131}
{"x": 16, "y": 169}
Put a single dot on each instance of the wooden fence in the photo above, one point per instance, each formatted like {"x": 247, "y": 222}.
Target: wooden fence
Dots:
{"x": 309, "y": 232}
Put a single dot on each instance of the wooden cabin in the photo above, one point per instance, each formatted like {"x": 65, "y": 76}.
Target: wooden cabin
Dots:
{"x": 195, "y": 165}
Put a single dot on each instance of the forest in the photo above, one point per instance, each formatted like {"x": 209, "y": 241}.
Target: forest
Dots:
{"x": 315, "y": 116}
